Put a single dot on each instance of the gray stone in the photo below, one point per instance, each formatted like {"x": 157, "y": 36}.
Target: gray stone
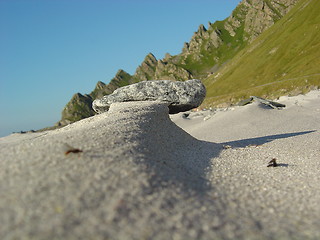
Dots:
{"x": 263, "y": 101}
{"x": 180, "y": 96}
{"x": 245, "y": 101}
{"x": 271, "y": 104}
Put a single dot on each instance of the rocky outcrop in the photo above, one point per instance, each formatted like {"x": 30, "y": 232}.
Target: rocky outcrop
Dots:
{"x": 101, "y": 89}
{"x": 122, "y": 78}
{"x": 260, "y": 15}
{"x": 147, "y": 68}
{"x": 79, "y": 107}
{"x": 214, "y": 46}
{"x": 154, "y": 69}
{"x": 180, "y": 96}
{"x": 168, "y": 70}
{"x": 265, "y": 102}
{"x": 208, "y": 50}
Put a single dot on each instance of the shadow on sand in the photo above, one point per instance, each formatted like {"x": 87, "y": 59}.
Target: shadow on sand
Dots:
{"x": 262, "y": 140}
{"x": 195, "y": 160}
{"x": 185, "y": 161}
{"x": 171, "y": 157}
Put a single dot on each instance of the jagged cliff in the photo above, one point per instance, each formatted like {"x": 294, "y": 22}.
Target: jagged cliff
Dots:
{"x": 211, "y": 47}
{"x": 283, "y": 60}
{"x": 151, "y": 68}
{"x": 208, "y": 50}
{"x": 79, "y": 107}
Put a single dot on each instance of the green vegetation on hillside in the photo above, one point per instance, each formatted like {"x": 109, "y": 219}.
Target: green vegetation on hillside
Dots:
{"x": 236, "y": 66}
{"x": 78, "y": 108}
{"x": 200, "y": 63}
{"x": 284, "y": 59}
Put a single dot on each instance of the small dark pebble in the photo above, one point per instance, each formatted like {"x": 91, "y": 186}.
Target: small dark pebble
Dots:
{"x": 73, "y": 151}
{"x": 272, "y": 163}
{"x": 185, "y": 115}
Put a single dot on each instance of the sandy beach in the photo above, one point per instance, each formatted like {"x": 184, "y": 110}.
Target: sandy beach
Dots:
{"x": 137, "y": 173}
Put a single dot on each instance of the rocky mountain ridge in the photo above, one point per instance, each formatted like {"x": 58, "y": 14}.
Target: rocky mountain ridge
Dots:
{"x": 283, "y": 60}
{"x": 208, "y": 49}
{"x": 80, "y": 106}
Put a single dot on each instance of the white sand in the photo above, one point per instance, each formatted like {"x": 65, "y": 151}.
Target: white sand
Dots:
{"x": 142, "y": 177}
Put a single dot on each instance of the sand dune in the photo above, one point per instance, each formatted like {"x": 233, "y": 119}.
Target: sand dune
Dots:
{"x": 137, "y": 175}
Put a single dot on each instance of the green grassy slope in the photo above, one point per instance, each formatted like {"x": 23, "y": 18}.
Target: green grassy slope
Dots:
{"x": 284, "y": 59}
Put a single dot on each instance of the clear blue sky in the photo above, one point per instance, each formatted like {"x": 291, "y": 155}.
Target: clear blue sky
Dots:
{"x": 51, "y": 49}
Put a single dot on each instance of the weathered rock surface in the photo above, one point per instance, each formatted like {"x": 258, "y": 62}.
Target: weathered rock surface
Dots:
{"x": 180, "y": 96}
{"x": 77, "y": 108}
{"x": 147, "y": 68}
{"x": 122, "y": 78}
{"x": 260, "y": 15}
{"x": 266, "y": 102}
{"x": 222, "y": 40}
{"x": 170, "y": 71}
{"x": 156, "y": 69}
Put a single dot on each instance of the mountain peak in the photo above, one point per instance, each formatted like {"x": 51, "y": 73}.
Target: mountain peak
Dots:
{"x": 208, "y": 50}
{"x": 121, "y": 73}
{"x": 201, "y": 29}
{"x": 283, "y": 60}
{"x": 147, "y": 68}
{"x": 150, "y": 59}
{"x": 259, "y": 15}
{"x": 100, "y": 85}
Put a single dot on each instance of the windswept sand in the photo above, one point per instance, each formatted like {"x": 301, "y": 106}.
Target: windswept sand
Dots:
{"x": 140, "y": 176}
